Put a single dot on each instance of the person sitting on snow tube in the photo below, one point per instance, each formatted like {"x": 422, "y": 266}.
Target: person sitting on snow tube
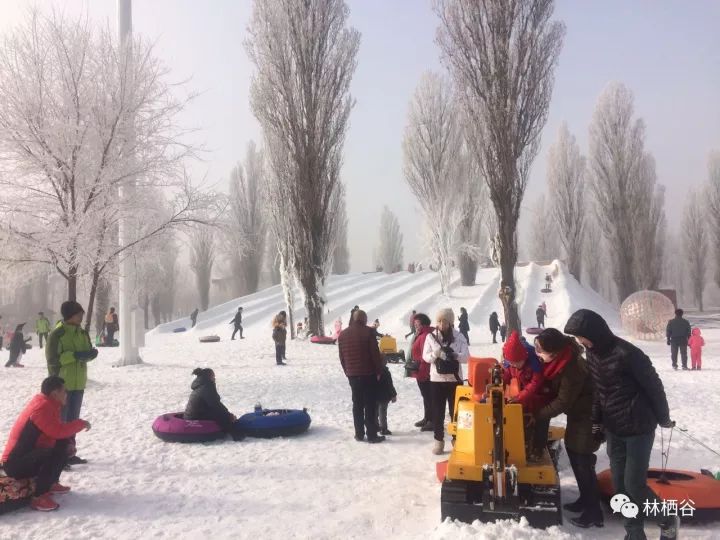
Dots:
{"x": 205, "y": 403}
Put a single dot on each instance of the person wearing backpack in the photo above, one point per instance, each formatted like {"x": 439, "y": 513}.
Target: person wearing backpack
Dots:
{"x": 446, "y": 350}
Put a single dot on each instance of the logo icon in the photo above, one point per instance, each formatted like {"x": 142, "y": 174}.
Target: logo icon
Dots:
{"x": 622, "y": 503}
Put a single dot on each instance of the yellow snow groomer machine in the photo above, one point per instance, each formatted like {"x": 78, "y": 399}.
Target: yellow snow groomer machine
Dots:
{"x": 388, "y": 347}
{"x": 488, "y": 476}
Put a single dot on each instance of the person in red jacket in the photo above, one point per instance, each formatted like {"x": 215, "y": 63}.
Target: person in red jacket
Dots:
{"x": 422, "y": 375}
{"x": 529, "y": 374}
{"x": 361, "y": 361}
{"x": 696, "y": 343}
{"x": 39, "y": 443}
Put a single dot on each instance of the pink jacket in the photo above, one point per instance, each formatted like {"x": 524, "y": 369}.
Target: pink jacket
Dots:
{"x": 696, "y": 341}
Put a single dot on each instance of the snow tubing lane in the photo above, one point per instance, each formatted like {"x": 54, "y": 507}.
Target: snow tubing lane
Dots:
{"x": 178, "y": 330}
{"x": 172, "y": 427}
{"x": 209, "y": 339}
{"x": 322, "y": 340}
{"x": 702, "y": 489}
{"x": 274, "y": 423}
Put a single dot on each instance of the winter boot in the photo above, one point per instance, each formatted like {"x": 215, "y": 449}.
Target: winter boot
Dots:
{"x": 428, "y": 426}
{"x": 574, "y": 507}
{"x": 420, "y": 423}
{"x": 386, "y": 432}
{"x": 669, "y": 531}
{"x": 76, "y": 460}
{"x": 44, "y": 503}
{"x": 58, "y": 489}
{"x": 438, "y": 448}
{"x": 376, "y": 439}
{"x": 585, "y": 521}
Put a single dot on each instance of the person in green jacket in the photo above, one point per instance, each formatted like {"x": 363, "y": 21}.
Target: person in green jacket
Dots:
{"x": 67, "y": 353}
{"x": 42, "y": 328}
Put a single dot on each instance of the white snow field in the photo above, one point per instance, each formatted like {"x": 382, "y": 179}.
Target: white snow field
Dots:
{"x": 322, "y": 484}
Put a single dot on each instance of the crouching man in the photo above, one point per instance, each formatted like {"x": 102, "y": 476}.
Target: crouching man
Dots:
{"x": 39, "y": 443}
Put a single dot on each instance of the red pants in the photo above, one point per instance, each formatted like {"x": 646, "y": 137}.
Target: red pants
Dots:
{"x": 696, "y": 359}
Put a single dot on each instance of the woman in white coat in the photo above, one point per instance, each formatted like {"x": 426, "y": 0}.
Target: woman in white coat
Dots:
{"x": 443, "y": 344}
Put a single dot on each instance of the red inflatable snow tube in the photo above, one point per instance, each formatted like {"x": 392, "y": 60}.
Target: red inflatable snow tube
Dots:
{"x": 322, "y": 340}
{"x": 15, "y": 494}
{"x": 172, "y": 427}
{"x": 681, "y": 486}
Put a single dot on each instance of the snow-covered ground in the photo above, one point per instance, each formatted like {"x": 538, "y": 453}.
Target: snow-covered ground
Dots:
{"x": 322, "y": 484}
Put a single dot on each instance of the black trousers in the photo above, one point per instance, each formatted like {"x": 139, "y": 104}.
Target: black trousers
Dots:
{"x": 424, "y": 387}
{"x": 44, "y": 464}
{"x": 442, "y": 393}
{"x": 494, "y": 334}
{"x": 678, "y": 345}
{"x": 279, "y": 353}
{"x": 583, "y": 466}
{"x": 236, "y": 330}
{"x": 364, "y": 399}
{"x": 110, "y": 336}
{"x": 42, "y": 335}
{"x": 467, "y": 337}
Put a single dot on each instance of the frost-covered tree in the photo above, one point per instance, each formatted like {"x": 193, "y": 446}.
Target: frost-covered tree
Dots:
{"x": 629, "y": 204}
{"x": 502, "y": 56}
{"x": 593, "y": 251}
{"x": 246, "y": 227}
{"x": 390, "y": 245}
{"x": 80, "y": 120}
{"x": 471, "y": 243}
{"x": 305, "y": 57}
{"x": 566, "y": 183}
{"x": 695, "y": 243}
{"x": 713, "y": 214}
{"x": 544, "y": 245}
{"x": 432, "y": 146}
{"x": 341, "y": 254}
{"x": 649, "y": 227}
{"x": 202, "y": 258}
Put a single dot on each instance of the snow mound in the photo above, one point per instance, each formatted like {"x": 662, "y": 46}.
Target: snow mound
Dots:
{"x": 499, "y": 530}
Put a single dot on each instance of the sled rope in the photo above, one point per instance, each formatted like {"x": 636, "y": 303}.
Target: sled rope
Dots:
{"x": 685, "y": 432}
{"x": 665, "y": 453}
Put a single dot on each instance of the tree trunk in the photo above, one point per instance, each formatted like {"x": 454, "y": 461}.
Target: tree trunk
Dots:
{"x": 468, "y": 269}
{"x": 72, "y": 283}
{"x": 91, "y": 299}
{"x": 575, "y": 266}
{"x": 508, "y": 259}
{"x": 314, "y": 302}
{"x": 146, "y": 309}
{"x": 285, "y": 283}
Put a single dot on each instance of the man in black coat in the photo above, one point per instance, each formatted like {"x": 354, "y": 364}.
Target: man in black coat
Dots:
{"x": 678, "y": 333}
{"x": 628, "y": 405}
{"x": 237, "y": 322}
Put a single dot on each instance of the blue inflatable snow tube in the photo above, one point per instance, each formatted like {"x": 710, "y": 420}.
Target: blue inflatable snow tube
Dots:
{"x": 270, "y": 423}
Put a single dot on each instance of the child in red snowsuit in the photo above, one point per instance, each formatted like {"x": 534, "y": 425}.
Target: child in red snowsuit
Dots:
{"x": 696, "y": 343}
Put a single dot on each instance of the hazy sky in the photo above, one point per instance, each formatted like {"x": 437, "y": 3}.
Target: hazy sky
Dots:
{"x": 667, "y": 52}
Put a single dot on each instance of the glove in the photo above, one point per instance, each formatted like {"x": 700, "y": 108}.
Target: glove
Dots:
{"x": 598, "y": 433}
{"x": 86, "y": 355}
{"x": 83, "y": 355}
{"x": 667, "y": 424}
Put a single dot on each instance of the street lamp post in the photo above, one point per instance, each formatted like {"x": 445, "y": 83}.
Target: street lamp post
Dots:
{"x": 128, "y": 316}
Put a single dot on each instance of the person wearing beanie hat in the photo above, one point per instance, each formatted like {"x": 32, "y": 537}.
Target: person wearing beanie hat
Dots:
{"x": 67, "y": 352}
{"x": 441, "y": 347}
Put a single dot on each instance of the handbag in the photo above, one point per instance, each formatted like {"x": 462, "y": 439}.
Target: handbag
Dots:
{"x": 448, "y": 365}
